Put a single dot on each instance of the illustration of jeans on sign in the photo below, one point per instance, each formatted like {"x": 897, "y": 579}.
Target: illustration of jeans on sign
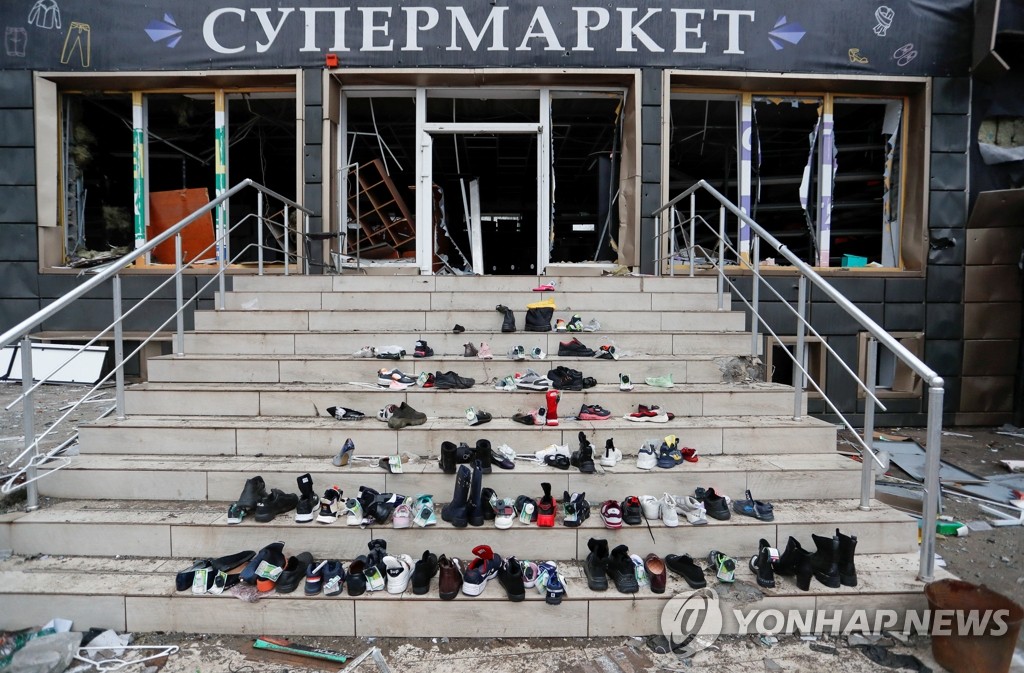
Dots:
{"x": 79, "y": 38}
{"x": 15, "y": 39}
{"x": 45, "y": 14}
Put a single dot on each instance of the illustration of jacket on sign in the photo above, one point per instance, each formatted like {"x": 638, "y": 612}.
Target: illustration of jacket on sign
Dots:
{"x": 79, "y": 38}
{"x": 15, "y": 39}
{"x": 45, "y": 14}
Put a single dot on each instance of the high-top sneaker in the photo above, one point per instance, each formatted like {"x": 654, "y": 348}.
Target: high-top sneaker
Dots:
{"x": 595, "y": 565}
{"x": 575, "y": 509}
{"x": 456, "y": 512}
{"x": 474, "y": 504}
{"x": 551, "y": 413}
{"x": 308, "y": 500}
{"x": 621, "y": 570}
{"x": 330, "y": 505}
{"x": 847, "y": 570}
{"x": 546, "y": 508}
{"x": 761, "y": 565}
{"x": 422, "y": 350}
{"x": 824, "y": 561}
{"x": 612, "y": 456}
{"x": 584, "y": 457}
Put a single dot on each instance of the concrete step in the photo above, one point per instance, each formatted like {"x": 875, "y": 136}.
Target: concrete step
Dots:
{"x": 472, "y": 285}
{"x": 566, "y": 303}
{"x": 311, "y": 399}
{"x": 183, "y": 477}
{"x": 137, "y": 595}
{"x": 188, "y": 530}
{"x": 323, "y": 437}
{"x": 291, "y": 317}
{"x": 310, "y": 368}
{"x": 263, "y": 336}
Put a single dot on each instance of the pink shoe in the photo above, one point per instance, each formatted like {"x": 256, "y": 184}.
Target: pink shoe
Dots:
{"x": 545, "y": 287}
{"x": 484, "y": 352}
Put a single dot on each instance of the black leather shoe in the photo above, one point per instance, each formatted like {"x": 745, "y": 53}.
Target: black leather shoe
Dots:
{"x": 423, "y": 572}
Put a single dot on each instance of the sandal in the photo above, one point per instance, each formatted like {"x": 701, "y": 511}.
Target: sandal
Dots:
{"x": 762, "y": 511}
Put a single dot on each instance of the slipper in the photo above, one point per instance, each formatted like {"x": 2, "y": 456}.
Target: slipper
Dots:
{"x": 347, "y": 450}
{"x": 762, "y": 511}
{"x": 545, "y": 287}
{"x": 424, "y": 508}
{"x": 343, "y": 414}
{"x": 477, "y": 417}
{"x": 557, "y": 460}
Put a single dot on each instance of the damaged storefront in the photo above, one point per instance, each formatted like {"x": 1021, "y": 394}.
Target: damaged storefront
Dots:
{"x": 510, "y": 138}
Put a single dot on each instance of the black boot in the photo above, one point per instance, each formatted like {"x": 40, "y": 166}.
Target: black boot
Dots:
{"x": 761, "y": 565}
{"x": 585, "y": 456}
{"x": 824, "y": 561}
{"x": 597, "y": 561}
{"x": 509, "y": 323}
{"x": 447, "y": 460}
{"x": 474, "y": 508}
{"x": 847, "y": 571}
{"x": 622, "y": 571}
{"x": 483, "y": 454}
{"x": 456, "y": 512}
{"x": 786, "y": 565}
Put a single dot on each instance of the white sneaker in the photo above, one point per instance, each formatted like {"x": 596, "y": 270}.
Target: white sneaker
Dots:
{"x": 624, "y": 382}
{"x": 647, "y": 456}
{"x": 611, "y": 456}
{"x": 507, "y": 451}
{"x": 517, "y": 353}
{"x": 365, "y": 352}
{"x": 592, "y": 326}
{"x": 668, "y": 511}
{"x": 508, "y": 384}
{"x": 399, "y": 571}
{"x": 651, "y": 507}
{"x": 689, "y": 507}
{"x": 553, "y": 450}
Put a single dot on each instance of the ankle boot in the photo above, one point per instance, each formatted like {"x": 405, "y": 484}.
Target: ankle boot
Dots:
{"x": 552, "y": 397}
{"x": 474, "y": 508}
{"x": 787, "y": 563}
{"x": 482, "y": 453}
{"x": 456, "y": 512}
{"x": 447, "y": 460}
{"x": 596, "y": 563}
{"x": 847, "y": 571}
{"x": 509, "y": 323}
{"x": 824, "y": 560}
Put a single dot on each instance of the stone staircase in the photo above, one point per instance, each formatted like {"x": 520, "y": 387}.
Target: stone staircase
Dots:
{"x": 149, "y": 493}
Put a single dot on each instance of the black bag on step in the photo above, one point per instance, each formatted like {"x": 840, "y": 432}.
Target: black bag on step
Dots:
{"x": 539, "y": 319}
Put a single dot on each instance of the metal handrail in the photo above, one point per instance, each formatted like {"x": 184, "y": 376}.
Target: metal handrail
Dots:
{"x": 27, "y": 475}
{"x": 935, "y": 383}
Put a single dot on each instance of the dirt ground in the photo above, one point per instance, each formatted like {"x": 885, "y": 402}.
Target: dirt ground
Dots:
{"x": 994, "y": 558}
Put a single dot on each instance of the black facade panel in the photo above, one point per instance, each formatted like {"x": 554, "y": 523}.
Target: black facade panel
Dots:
{"x": 947, "y": 209}
{"x": 16, "y": 88}
{"x": 949, "y": 133}
{"x": 944, "y": 321}
{"x": 841, "y": 388}
{"x": 897, "y": 407}
{"x": 18, "y": 279}
{"x": 785, "y": 286}
{"x": 16, "y": 128}
{"x": 904, "y": 318}
{"x": 650, "y": 166}
{"x": 904, "y": 289}
{"x": 949, "y": 171}
{"x": 13, "y": 311}
{"x": 650, "y": 131}
{"x": 951, "y": 95}
{"x": 830, "y": 319}
{"x": 651, "y": 83}
{"x": 856, "y": 289}
{"x": 650, "y": 200}
{"x": 97, "y": 314}
{"x": 17, "y": 204}
{"x": 314, "y": 127}
{"x": 945, "y": 284}
{"x": 646, "y": 252}
{"x": 133, "y": 287}
{"x": 775, "y": 315}
{"x": 943, "y": 356}
{"x": 17, "y": 166}
{"x": 18, "y": 242}
{"x": 313, "y": 195}
{"x": 951, "y": 386}
{"x": 312, "y": 159}
{"x": 947, "y": 246}
{"x": 312, "y": 87}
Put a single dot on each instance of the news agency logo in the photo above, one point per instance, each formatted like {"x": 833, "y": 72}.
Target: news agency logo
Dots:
{"x": 692, "y": 622}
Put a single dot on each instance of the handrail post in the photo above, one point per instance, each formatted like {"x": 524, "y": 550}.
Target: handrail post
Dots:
{"x": 179, "y": 300}
{"x": 287, "y": 236}
{"x": 672, "y": 220}
{"x": 307, "y": 265}
{"x": 867, "y": 468}
{"x": 222, "y": 266}
{"x": 657, "y": 245}
{"x": 721, "y": 258}
{"x": 28, "y": 424}
{"x": 259, "y": 231}
{"x": 119, "y": 348}
{"x": 693, "y": 230}
{"x": 932, "y": 487}
{"x": 755, "y": 320}
{"x": 801, "y": 328}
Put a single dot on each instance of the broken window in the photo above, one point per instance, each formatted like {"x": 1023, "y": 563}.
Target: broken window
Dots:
{"x": 820, "y": 173}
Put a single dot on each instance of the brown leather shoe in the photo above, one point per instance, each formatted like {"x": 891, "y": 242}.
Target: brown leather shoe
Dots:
{"x": 656, "y": 572}
{"x": 450, "y": 578}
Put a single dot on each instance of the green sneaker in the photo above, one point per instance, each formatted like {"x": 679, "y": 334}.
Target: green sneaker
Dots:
{"x": 660, "y": 381}
{"x": 725, "y": 567}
